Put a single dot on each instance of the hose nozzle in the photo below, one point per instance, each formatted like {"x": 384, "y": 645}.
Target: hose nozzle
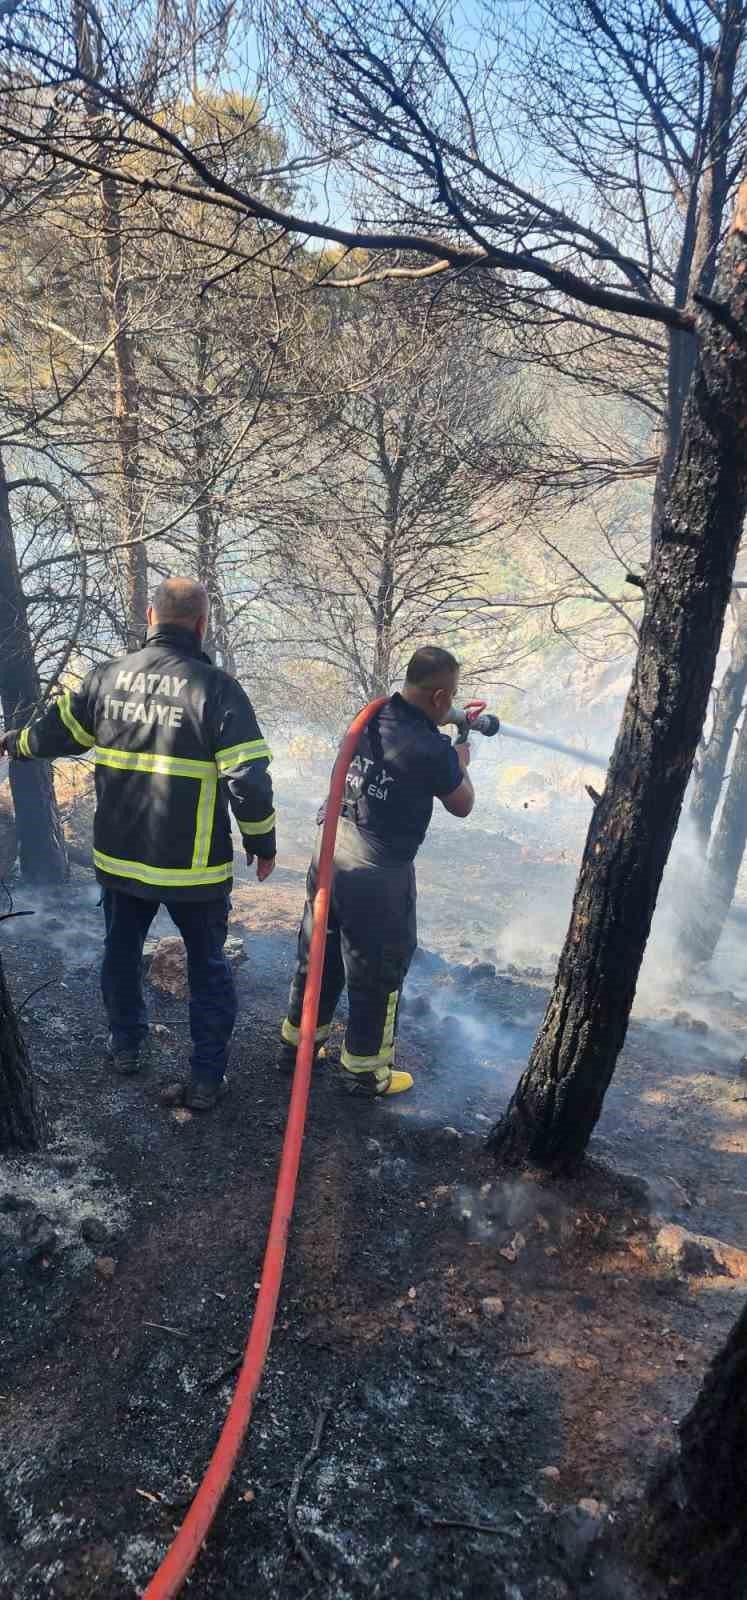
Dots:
{"x": 473, "y": 718}
{"x": 486, "y": 723}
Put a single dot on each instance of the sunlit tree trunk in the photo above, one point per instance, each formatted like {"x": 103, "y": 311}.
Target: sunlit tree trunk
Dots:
{"x": 712, "y": 765}
{"x": 709, "y": 905}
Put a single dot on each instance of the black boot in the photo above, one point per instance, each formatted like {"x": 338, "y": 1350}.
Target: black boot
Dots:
{"x": 197, "y": 1094}
{"x": 285, "y": 1059}
{"x": 130, "y": 1061}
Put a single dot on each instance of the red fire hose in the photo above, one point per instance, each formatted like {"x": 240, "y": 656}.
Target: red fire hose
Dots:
{"x": 183, "y": 1552}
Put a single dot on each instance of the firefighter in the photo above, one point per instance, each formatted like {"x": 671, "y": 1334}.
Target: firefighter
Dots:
{"x": 401, "y": 765}
{"x": 175, "y": 743}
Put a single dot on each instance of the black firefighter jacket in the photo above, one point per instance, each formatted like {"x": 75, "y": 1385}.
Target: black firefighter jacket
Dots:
{"x": 175, "y": 742}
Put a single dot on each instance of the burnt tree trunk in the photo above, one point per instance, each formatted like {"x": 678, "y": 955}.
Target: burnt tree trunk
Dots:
{"x": 696, "y": 265}
{"x": 218, "y": 637}
{"x": 712, "y": 767}
{"x": 694, "y": 1527}
{"x": 126, "y": 409}
{"x": 41, "y": 845}
{"x": 559, "y": 1097}
{"x": 710, "y": 907}
{"x": 391, "y": 468}
{"x": 118, "y": 307}
{"x": 20, "y": 1122}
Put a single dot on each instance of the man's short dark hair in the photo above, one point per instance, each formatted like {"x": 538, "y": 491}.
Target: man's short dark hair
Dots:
{"x": 180, "y": 600}
{"x": 431, "y": 668}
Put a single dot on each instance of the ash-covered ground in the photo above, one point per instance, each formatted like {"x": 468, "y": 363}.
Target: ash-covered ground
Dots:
{"x": 497, "y": 1361}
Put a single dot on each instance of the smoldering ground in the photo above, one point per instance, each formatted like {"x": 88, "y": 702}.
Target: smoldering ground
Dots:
{"x": 437, "y": 1409}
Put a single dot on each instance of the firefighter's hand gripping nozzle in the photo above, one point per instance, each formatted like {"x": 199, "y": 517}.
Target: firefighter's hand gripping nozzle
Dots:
{"x": 473, "y": 718}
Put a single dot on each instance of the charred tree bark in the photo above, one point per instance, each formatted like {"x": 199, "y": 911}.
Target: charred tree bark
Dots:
{"x": 126, "y": 409}
{"x": 118, "y": 307}
{"x": 695, "y": 1529}
{"x": 382, "y": 653}
{"x": 41, "y": 845}
{"x": 696, "y": 265}
{"x": 218, "y": 637}
{"x": 710, "y": 774}
{"x": 708, "y": 913}
{"x": 392, "y": 468}
{"x": 20, "y": 1121}
{"x": 559, "y": 1097}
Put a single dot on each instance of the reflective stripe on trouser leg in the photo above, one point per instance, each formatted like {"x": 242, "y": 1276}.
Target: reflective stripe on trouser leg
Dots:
{"x": 290, "y": 1034}
{"x": 380, "y": 1064}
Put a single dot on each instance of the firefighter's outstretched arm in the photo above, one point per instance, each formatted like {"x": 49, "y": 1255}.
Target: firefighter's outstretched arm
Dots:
{"x": 243, "y": 758}
{"x": 65, "y": 728}
{"x": 461, "y": 800}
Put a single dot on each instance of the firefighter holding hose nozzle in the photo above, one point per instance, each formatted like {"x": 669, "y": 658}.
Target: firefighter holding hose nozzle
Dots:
{"x": 401, "y": 765}
{"x": 176, "y": 743}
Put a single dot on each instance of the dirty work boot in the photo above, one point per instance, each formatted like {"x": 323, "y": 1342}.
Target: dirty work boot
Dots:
{"x": 197, "y": 1094}
{"x": 380, "y": 1081}
{"x": 130, "y": 1061}
{"x": 285, "y": 1060}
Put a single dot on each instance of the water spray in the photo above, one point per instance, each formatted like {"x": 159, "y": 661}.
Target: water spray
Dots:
{"x": 586, "y": 757}
{"x": 474, "y": 718}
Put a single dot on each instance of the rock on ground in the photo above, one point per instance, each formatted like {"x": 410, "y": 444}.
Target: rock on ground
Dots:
{"x": 166, "y": 963}
{"x": 698, "y": 1254}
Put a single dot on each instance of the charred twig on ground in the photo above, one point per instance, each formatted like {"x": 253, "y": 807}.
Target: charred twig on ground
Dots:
{"x": 323, "y": 1410}
{"x": 6, "y": 916}
{"x": 163, "y": 1327}
{"x": 462, "y": 1522}
{"x": 34, "y": 992}
{"x": 214, "y": 1379}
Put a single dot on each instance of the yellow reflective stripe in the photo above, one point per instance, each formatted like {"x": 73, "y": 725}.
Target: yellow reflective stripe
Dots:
{"x": 380, "y": 1068}
{"x": 363, "y": 1063}
{"x": 163, "y": 877}
{"x": 290, "y": 1034}
{"x": 391, "y": 1018}
{"x": 157, "y": 765}
{"x": 204, "y": 820}
{"x": 163, "y": 766}
{"x": 236, "y": 755}
{"x": 65, "y": 709}
{"x": 256, "y": 828}
{"x": 384, "y": 1056}
{"x": 23, "y": 742}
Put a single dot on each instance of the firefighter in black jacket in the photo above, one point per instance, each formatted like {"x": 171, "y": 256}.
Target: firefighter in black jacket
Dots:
{"x": 175, "y": 743}
{"x": 401, "y": 765}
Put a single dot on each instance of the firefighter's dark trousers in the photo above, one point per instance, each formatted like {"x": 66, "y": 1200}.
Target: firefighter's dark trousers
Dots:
{"x": 371, "y": 940}
{"x": 212, "y": 995}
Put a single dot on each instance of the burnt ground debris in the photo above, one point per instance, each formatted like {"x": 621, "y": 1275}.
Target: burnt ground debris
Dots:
{"x": 445, "y": 1418}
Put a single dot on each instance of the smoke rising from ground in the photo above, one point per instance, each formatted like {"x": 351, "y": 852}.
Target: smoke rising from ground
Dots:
{"x": 496, "y": 889}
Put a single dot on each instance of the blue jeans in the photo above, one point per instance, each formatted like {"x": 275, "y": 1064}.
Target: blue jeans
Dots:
{"x": 212, "y": 995}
